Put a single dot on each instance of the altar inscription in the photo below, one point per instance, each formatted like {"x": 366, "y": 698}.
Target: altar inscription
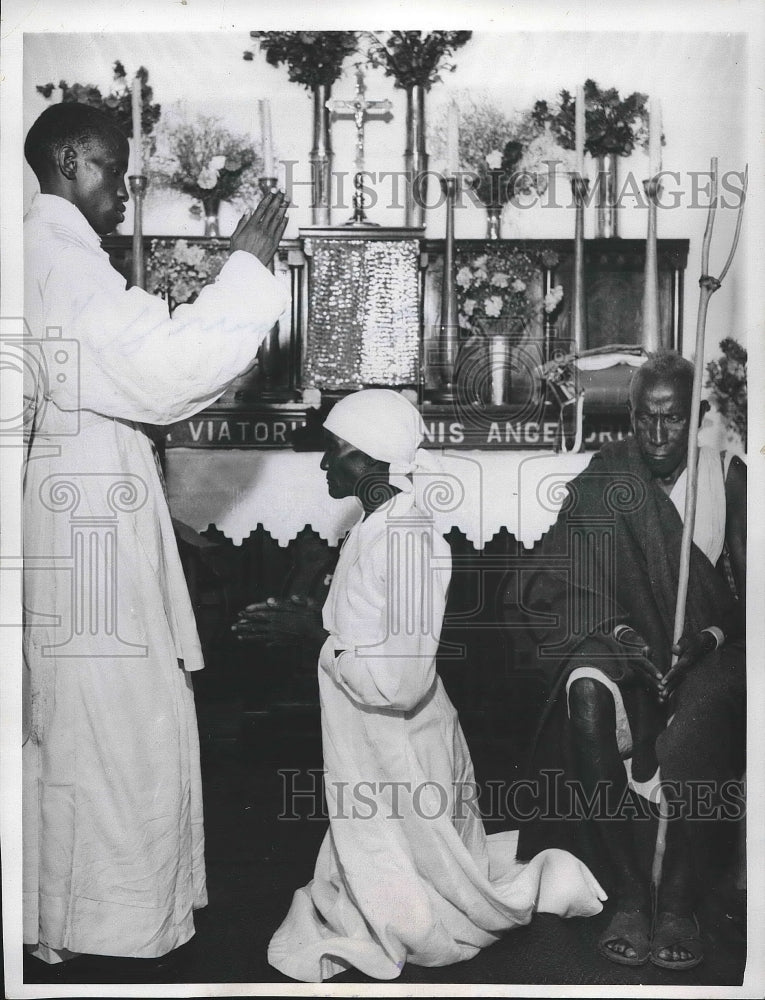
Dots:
{"x": 290, "y": 430}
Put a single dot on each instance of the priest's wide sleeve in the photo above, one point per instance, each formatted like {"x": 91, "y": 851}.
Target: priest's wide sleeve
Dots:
{"x": 138, "y": 363}
{"x": 406, "y": 575}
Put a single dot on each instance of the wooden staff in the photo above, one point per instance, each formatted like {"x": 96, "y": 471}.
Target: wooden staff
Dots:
{"x": 709, "y": 286}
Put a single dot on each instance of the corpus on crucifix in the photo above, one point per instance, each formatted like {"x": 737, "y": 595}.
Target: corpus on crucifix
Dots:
{"x": 360, "y": 110}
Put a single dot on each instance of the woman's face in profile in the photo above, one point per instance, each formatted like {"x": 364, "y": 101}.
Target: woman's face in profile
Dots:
{"x": 345, "y": 466}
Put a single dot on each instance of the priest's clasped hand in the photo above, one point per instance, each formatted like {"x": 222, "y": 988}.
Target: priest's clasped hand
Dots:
{"x": 295, "y": 621}
{"x": 260, "y": 232}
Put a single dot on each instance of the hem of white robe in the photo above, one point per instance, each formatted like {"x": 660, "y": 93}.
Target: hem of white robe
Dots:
{"x": 113, "y": 929}
{"x": 308, "y": 950}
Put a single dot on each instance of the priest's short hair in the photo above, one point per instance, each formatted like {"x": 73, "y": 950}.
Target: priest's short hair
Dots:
{"x": 67, "y": 123}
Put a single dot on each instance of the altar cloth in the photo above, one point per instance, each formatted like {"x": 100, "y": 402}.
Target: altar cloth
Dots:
{"x": 285, "y": 491}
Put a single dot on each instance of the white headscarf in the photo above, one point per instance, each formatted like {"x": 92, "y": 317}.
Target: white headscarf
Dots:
{"x": 384, "y": 425}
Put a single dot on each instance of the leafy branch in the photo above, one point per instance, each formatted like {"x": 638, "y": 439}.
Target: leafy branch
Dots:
{"x": 313, "y": 58}
{"x": 117, "y": 104}
{"x": 612, "y": 125}
{"x": 414, "y": 58}
{"x": 726, "y": 377}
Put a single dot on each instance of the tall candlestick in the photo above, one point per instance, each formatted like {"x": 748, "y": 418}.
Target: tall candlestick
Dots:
{"x": 579, "y": 130}
{"x": 652, "y": 334}
{"x": 448, "y": 336}
{"x": 452, "y": 140}
{"x": 137, "y": 191}
{"x": 264, "y": 110}
{"x": 137, "y": 144}
{"x": 654, "y": 137}
{"x": 579, "y": 187}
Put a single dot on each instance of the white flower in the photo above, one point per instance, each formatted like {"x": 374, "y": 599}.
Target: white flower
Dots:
{"x": 493, "y": 306}
{"x": 464, "y": 277}
{"x": 518, "y": 285}
{"x": 468, "y": 307}
{"x": 217, "y": 163}
{"x": 189, "y": 253}
{"x": 207, "y": 178}
{"x": 463, "y": 322}
{"x": 481, "y": 274}
{"x": 494, "y": 160}
{"x": 552, "y": 298}
{"x": 181, "y": 291}
{"x": 481, "y": 261}
{"x": 499, "y": 279}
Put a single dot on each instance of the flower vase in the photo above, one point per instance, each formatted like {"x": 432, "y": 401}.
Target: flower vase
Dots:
{"x": 608, "y": 193}
{"x": 211, "y": 209}
{"x": 321, "y": 156}
{"x": 510, "y": 375}
{"x": 492, "y": 190}
{"x": 415, "y": 158}
{"x": 494, "y": 221}
{"x": 499, "y": 385}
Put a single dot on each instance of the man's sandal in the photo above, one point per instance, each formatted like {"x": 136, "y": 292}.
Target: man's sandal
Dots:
{"x": 673, "y": 931}
{"x": 632, "y": 927}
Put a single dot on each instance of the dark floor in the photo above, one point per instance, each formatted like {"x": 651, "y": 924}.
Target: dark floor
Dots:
{"x": 255, "y": 861}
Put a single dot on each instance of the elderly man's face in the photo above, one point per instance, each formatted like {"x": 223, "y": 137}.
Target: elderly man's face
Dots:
{"x": 660, "y": 423}
{"x": 99, "y": 187}
{"x": 345, "y": 466}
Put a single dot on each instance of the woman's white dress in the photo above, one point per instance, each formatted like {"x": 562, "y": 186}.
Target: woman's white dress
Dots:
{"x": 406, "y": 871}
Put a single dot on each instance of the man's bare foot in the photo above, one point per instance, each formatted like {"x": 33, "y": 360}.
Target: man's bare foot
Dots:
{"x": 676, "y": 941}
{"x": 626, "y": 940}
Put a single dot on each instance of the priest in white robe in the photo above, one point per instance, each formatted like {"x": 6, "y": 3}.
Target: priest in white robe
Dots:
{"x": 406, "y": 872}
{"x": 113, "y": 826}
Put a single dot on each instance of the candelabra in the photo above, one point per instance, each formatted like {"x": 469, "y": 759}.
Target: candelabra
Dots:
{"x": 359, "y": 217}
{"x": 138, "y": 185}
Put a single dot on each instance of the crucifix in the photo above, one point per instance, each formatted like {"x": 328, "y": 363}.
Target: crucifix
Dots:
{"x": 360, "y": 110}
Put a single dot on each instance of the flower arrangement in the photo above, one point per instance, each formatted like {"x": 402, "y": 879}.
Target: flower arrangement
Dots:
{"x": 313, "y": 58}
{"x": 612, "y": 125}
{"x": 505, "y": 155}
{"x": 204, "y": 159}
{"x": 497, "y": 288}
{"x": 726, "y": 377}
{"x": 117, "y": 103}
{"x": 179, "y": 269}
{"x": 414, "y": 58}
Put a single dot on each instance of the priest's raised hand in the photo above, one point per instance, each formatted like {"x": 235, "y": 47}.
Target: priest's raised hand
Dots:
{"x": 259, "y": 232}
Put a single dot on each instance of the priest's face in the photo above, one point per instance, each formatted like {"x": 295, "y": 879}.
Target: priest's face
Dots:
{"x": 660, "y": 423}
{"x": 345, "y": 466}
{"x": 98, "y": 188}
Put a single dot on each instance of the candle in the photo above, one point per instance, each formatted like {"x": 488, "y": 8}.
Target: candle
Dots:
{"x": 264, "y": 110}
{"x": 452, "y": 140}
{"x": 654, "y": 137}
{"x": 137, "y": 145}
{"x": 579, "y": 131}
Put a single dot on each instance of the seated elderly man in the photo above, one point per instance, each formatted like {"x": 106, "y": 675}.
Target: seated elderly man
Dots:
{"x": 621, "y": 720}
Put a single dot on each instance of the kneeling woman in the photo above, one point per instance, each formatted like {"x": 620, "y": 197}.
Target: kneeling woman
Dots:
{"x": 406, "y": 871}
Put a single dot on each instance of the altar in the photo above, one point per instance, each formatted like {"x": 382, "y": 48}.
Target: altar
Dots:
{"x": 245, "y": 487}
{"x": 518, "y": 353}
